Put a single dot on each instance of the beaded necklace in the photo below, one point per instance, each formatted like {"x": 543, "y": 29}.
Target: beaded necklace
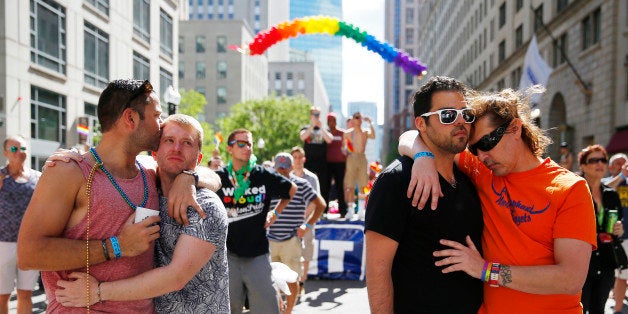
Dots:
{"x": 115, "y": 183}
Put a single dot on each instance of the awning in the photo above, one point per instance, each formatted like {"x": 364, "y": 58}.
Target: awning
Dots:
{"x": 618, "y": 143}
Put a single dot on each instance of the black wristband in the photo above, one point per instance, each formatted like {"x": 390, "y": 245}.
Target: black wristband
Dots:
{"x": 104, "y": 249}
{"x": 194, "y": 174}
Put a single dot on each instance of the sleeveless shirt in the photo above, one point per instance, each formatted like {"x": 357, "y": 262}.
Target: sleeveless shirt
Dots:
{"x": 14, "y": 198}
{"x": 108, "y": 214}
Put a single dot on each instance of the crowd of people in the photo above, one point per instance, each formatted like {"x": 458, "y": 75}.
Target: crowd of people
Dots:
{"x": 112, "y": 230}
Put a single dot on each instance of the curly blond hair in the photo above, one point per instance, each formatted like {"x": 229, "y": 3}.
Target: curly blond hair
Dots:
{"x": 508, "y": 104}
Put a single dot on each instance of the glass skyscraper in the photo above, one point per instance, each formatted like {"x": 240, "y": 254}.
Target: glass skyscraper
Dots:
{"x": 324, "y": 50}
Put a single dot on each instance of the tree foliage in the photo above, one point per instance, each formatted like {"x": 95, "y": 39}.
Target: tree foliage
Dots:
{"x": 277, "y": 120}
{"x": 193, "y": 104}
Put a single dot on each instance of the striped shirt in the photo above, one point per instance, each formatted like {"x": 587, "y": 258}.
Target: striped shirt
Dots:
{"x": 293, "y": 216}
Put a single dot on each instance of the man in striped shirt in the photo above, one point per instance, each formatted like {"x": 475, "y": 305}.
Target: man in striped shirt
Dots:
{"x": 286, "y": 233}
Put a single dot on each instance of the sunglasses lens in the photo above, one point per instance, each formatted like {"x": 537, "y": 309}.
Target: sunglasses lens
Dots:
{"x": 467, "y": 116}
{"x": 448, "y": 116}
{"x": 596, "y": 160}
{"x": 13, "y": 149}
{"x": 241, "y": 144}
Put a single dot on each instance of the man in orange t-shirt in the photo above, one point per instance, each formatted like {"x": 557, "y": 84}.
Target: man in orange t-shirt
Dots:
{"x": 539, "y": 224}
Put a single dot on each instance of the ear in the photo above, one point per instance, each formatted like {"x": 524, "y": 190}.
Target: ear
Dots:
{"x": 199, "y": 159}
{"x": 516, "y": 127}
{"x": 420, "y": 124}
{"x": 130, "y": 118}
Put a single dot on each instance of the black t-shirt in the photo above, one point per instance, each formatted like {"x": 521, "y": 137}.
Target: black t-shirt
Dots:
{"x": 420, "y": 286}
{"x": 246, "y": 236}
{"x": 315, "y": 147}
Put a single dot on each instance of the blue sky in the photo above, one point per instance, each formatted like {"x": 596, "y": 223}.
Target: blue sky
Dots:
{"x": 363, "y": 70}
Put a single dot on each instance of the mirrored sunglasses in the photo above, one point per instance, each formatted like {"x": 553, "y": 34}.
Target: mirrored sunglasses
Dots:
{"x": 240, "y": 144}
{"x": 449, "y": 116}
{"x": 489, "y": 141}
{"x": 14, "y": 149}
{"x": 591, "y": 161}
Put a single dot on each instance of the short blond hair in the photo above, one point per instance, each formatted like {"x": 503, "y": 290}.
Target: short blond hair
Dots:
{"x": 188, "y": 122}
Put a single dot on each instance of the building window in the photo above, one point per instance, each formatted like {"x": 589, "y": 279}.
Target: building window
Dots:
{"x": 47, "y": 31}
{"x": 501, "y": 84}
{"x": 91, "y": 112}
{"x": 538, "y": 18}
{"x": 141, "y": 19}
{"x": 409, "y": 79}
{"x": 96, "y": 60}
{"x": 502, "y": 15}
{"x": 48, "y": 115}
{"x": 409, "y": 15}
{"x": 221, "y": 44}
{"x": 501, "y": 53}
{"x": 519, "y": 37}
{"x": 518, "y": 5}
{"x": 591, "y": 29}
{"x": 221, "y": 95}
{"x": 141, "y": 67}
{"x": 515, "y": 77}
{"x": 200, "y": 44}
{"x": 181, "y": 44}
{"x": 301, "y": 81}
{"x": 560, "y": 48}
{"x": 278, "y": 75}
{"x": 165, "y": 80}
{"x": 409, "y": 36}
{"x": 165, "y": 34}
{"x": 200, "y": 70}
{"x": 561, "y": 5}
{"x": 201, "y": 90}
{"x": 100, "y": 5}
{"x": 181, "y": 70}
{"x": 221, "y": 69}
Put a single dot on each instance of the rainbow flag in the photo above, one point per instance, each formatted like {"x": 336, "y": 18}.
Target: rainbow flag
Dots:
{"x": 349, "y": 146}
{"x": 218, "y": 138}
{"x": 82, "y": 129}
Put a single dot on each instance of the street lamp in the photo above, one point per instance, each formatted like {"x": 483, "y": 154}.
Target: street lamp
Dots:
{"x": 260, "y": 144}
{"x": 172, "y": 98}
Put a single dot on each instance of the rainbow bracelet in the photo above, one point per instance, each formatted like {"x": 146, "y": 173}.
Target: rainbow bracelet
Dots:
{"x": 485, "y": 273}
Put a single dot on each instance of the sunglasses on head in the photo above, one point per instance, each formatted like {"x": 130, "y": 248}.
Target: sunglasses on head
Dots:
{"x": 489, "y": 141}
{"x": 449, "y": 116}
{"x": 591, "y": 161}
{"x": 14, "y": 149}
{"x": 146, "y": 87}
{"x": 240, "y": 144}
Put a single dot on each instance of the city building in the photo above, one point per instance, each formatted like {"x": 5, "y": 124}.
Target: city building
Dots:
{"x": 57, "y": 56}
{"x": 324, "y": 50}
{"x": 259, "y": 14}
{"x": 224, "y": 76}
{"x": 369, "y": 109}
{"x": 483, "y": 43}
{"x": 298, "y": 78}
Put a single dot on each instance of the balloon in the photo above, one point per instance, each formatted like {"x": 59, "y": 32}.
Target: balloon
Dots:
{"x": 332, "y": 26}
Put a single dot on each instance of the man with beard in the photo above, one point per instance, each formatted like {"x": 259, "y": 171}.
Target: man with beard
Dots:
{"x": 400, "y": 273}
{"x": 88, "y": 205}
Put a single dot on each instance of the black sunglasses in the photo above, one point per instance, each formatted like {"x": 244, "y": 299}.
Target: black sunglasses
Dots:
{"x": 489, "y": 141}
{"x": 316, "y": 114}
{"x": 146, "y": 87}
{"x": 449, "y": 116}
{"x": 240, "y": 144}
{"x": 14, "y": 149}
{"x": 591, "y": 161}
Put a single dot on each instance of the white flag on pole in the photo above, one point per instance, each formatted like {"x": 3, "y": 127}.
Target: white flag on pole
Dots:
{"x": 535, "y": 69}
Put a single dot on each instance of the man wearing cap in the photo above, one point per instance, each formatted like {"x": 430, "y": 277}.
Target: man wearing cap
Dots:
{"x": 336, "y": 162}
{"x": 247, "y": 189}
{"x": 286, "y": 233}
{"x": 566, "y": 156}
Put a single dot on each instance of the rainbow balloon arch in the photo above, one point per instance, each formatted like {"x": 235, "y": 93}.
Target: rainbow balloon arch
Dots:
{"x": 334, "y": 27}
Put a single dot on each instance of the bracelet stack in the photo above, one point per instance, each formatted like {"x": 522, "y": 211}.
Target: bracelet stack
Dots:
{"x": 307, "y": 225}
{"x": 490, "y": 273}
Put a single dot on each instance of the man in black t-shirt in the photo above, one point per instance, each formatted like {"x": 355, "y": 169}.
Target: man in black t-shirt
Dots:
{"x": 400, "y": 240}
{"x": 315, "y": 139}
{"x": 246, "y": 192}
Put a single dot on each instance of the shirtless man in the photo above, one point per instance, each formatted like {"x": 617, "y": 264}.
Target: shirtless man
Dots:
{"x": 355, "y": 141}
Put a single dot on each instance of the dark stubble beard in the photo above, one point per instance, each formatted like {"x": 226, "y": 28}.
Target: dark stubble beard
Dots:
{"x": 448, "y": 143}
